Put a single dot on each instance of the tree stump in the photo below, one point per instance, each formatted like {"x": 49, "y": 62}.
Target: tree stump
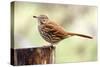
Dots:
{"x": 29, "y": 56}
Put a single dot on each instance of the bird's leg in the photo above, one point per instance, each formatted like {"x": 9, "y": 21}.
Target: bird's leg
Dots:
{"x": 53, "y": 47}
{"x": 47, "y": 45}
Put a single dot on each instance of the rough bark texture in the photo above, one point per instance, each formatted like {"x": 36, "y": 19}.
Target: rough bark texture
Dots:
{"x": 29, "y": 56}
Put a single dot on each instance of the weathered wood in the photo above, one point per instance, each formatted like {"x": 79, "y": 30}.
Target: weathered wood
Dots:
{"x": 29, "y": 56}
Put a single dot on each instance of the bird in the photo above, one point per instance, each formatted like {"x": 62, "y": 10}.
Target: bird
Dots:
{"x": 52, "y": 32}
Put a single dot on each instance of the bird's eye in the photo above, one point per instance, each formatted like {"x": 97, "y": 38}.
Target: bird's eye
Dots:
{"x": 43, "y": 20}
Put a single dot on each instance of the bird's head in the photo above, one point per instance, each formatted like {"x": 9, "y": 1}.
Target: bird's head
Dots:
{"x": 41, "y": 18}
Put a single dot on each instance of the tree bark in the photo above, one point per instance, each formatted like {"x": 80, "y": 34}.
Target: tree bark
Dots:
{"x": 29, "y": 56}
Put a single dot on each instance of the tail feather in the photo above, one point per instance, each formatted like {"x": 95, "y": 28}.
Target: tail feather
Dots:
{"x": 81, "y": 35}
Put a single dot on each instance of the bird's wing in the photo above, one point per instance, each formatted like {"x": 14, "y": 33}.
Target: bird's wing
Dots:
{"x": 57, "y": 29}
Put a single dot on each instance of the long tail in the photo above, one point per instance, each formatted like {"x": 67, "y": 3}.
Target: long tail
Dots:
{"x": 81, "y": 35}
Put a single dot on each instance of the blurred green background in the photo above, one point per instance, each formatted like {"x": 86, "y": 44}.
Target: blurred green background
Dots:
{"x": 73, "y": 18}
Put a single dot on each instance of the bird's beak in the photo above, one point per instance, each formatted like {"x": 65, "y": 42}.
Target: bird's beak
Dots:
{"x": 35, "y": 17}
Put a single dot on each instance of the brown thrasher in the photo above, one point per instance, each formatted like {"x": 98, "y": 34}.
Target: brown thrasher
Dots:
{"x": 52, "y": 32}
